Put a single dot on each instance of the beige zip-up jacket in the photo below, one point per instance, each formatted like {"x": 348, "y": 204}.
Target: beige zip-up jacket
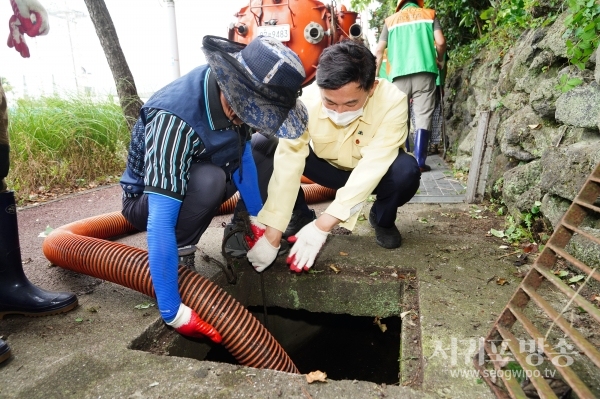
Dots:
{"x": 367, "y": 147}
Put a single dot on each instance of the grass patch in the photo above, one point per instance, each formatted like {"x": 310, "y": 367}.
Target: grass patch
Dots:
{"x": 59, "y": 145}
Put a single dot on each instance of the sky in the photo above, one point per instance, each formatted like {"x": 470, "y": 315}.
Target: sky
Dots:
{"x": 70, "y": 58}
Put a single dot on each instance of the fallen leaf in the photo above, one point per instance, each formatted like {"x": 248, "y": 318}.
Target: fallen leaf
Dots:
{"x": 533, "y": 127}
{"x": 381, "y": 325}
{"x": 561, "y": 273}
{"x": 402, "y": 277}
{"x": 344, "y": 253}
{"x": 530, "y": 248}
{"x": 46, "y": 232}
{"x": 496, "y": 233}
{"x": 577, "y": 278}
{"x": 335, "y": 269}
{"x": 316, "y": 376}
{"x": 501, "y": 281}
{"x": 596, "y": 298}
{"x": 403, "y": 314}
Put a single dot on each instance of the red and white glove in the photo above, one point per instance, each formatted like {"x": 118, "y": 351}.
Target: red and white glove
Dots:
{"x": 262, "y": 254}
{"x": 188, "y": 323}
{"x": 307, "y": 244}
{"x": 33, "y": 16}
{"x": 258, "y": 229}
{"x": 16, "y": 38}
{"x": 29, "y": 18}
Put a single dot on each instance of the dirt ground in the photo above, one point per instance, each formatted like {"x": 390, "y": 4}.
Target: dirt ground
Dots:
{"x": 466, "y": 276}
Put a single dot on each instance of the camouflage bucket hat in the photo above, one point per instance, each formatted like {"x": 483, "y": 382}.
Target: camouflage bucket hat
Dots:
{"x": 261, "y": 82}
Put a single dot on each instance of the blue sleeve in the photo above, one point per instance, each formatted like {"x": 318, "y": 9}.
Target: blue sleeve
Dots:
{"x": 162, "y": 253}
{"x": 247, "y": 184}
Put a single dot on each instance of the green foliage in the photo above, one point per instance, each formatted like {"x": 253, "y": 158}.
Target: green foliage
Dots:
{"x": 507, "y": 13}
{"x": 460, "y": 20}
{"x": 61, "y": 143}
{"x": 514, "y": 232}
{"x": 5, "y": 84}
{"x": 583, "y": 30}
{"x": 383, "y": 9}
{"x": 516, "y": 370}
{"x": 530, "y": 216}
{"x": 519, "y": 232}
{"x": 565, "y": 83}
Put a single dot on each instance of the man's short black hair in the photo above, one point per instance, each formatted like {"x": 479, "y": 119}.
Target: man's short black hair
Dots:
{"x": 346, "y": 62}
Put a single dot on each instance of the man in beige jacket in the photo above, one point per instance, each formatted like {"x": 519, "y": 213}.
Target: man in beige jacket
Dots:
{"x": 354, "y": 143}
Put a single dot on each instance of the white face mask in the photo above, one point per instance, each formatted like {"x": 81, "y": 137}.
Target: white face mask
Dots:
{"x": 343, "y": 119}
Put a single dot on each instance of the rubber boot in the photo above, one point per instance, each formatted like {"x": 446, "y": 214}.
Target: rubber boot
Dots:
{"x": 421, "y": 148}
{"x": 4, "y": 351}
{"x": 17, "y": 294}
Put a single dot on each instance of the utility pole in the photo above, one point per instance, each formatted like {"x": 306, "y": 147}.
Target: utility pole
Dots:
{"x": 174, "y": 47}
{"x": 69, "y": 16}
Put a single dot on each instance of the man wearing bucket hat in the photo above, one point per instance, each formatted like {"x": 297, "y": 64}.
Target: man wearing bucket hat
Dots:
{"x": 190, "y": 151}
{"x": 415, "y": 54}
{"x": 354, "y": 143}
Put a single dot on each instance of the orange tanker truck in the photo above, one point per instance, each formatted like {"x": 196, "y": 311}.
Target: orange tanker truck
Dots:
{"x": 305, "y": 26}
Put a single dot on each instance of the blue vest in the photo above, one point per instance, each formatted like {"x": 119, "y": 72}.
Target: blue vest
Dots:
{"x": 185, "y": 98}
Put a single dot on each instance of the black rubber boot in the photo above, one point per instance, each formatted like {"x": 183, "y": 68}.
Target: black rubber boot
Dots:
{"x": 298, "y": 221}
{"x": 4, "y": 351}
{"x": 387, "y": 237}
{"x": 187, "y": 256}
{"x": 17, "y": 294}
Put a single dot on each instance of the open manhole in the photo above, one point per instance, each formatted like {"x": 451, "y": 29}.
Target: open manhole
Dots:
{"x": 360, "y": 325}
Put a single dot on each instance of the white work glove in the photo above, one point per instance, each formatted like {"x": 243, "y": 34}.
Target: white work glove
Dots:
{"x": 262, "y": 254}
{"x": 36, "y": 15}
{"x": 308, "y": 242}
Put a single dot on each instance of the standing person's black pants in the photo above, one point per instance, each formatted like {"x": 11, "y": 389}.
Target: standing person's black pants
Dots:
{"x": 396, "y": 188}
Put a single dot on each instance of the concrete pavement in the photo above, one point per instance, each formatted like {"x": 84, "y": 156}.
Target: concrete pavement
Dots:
{"x": 86, "y": 353}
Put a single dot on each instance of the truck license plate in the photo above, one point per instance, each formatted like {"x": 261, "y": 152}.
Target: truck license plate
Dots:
{"x": 279, "y": 32}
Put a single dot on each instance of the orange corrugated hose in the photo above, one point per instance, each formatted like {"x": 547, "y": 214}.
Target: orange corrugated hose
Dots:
{"x": 82, "y": 247}
{"x": 313, "y": 193}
